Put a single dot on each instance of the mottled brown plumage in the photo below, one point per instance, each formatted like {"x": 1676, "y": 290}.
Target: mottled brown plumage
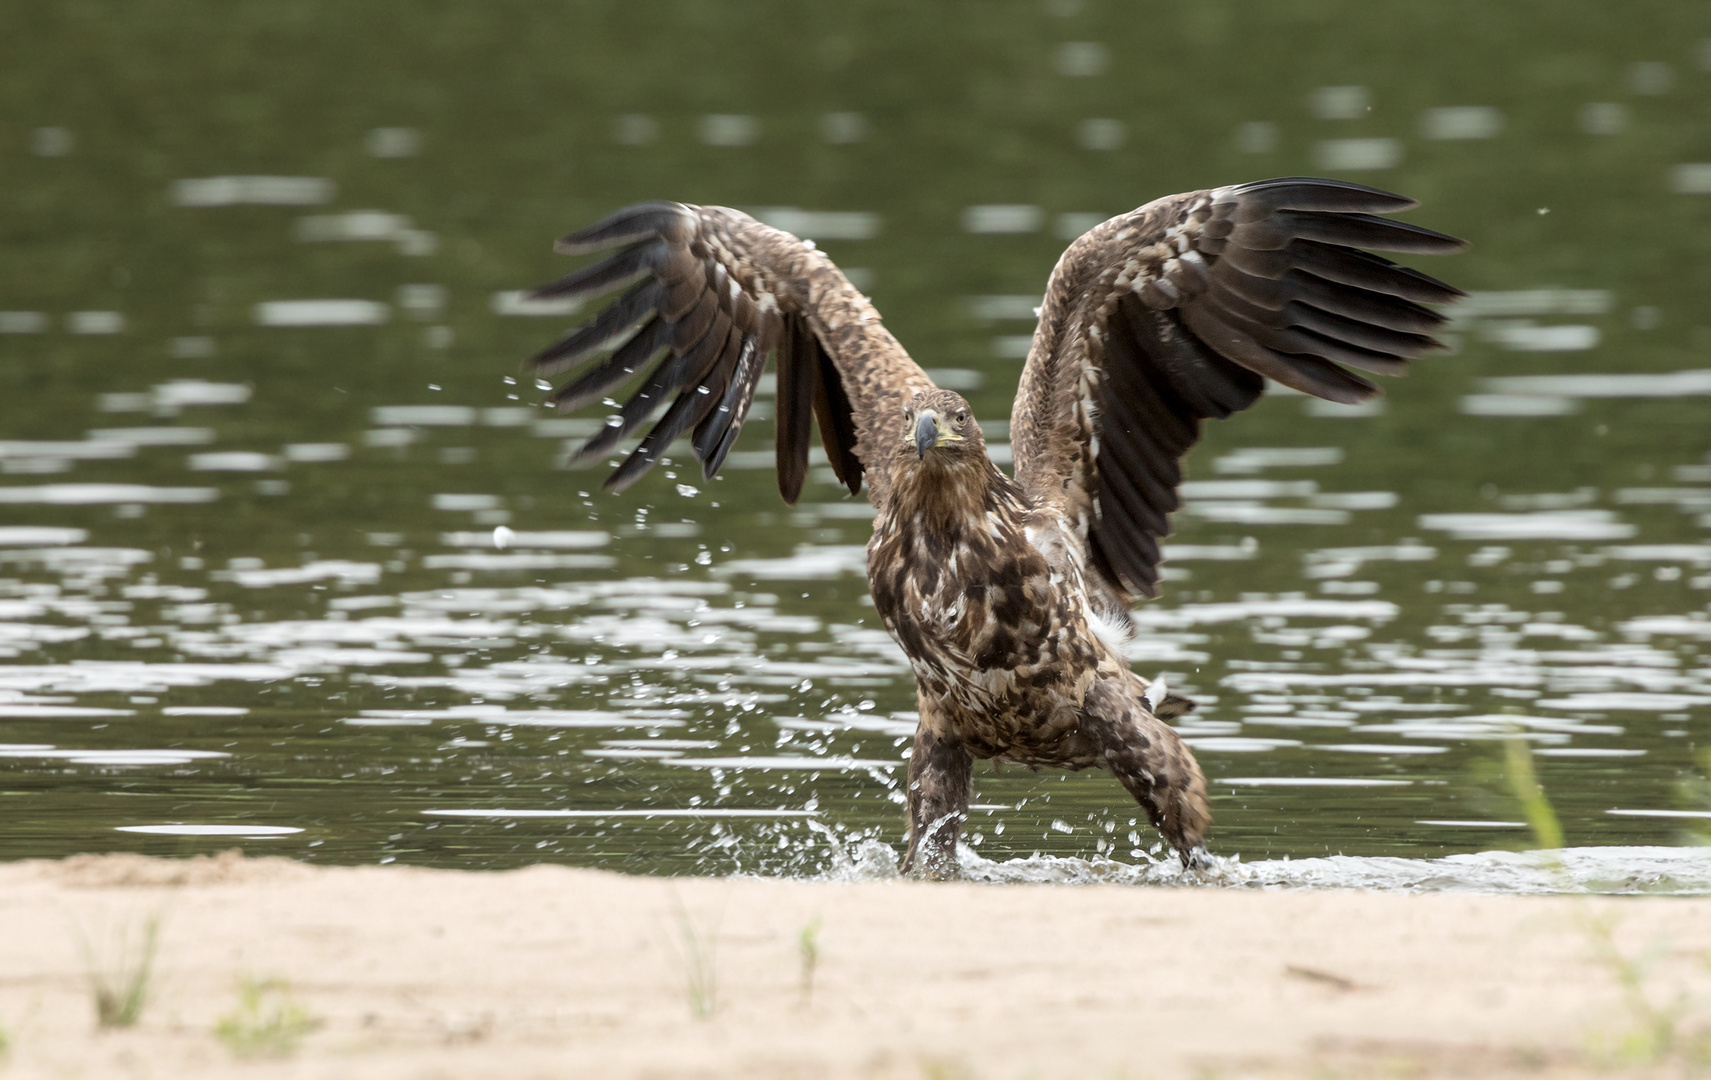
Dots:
{"x": 1011, "y": 597}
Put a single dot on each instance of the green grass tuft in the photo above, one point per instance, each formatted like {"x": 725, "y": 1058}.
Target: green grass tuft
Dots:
{"x": 121, "y": 992}
{"x": 808, "y": 948}
{"x": 268, "y": 1022}
{"x": 1524, "y": 782}
{"x": 698, "y": 950}
{"x": 1656, "y": 1033}
{"x": 1653, "y": 1035}
{"x": 1695, "y": 791}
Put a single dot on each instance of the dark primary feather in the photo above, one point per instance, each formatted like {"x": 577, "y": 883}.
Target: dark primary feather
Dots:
{"x": 703, "y": 341}
{"x": 718, "y": 432}
{"x": 798, "y": 385}
{"x": 593, "y": 384}
{"x": 597, "y": 278}
{"x": 836, "y": 417}
{"x": 1263, "y": 197}
{"x": 613, "y": 320}
{"x": 1236, "y": 285}
{"x": 1297, "y": 286}
{"x": 1318, "y": 301}
{"x": 667, "y": 220}
{"x": 1278, "y": 230}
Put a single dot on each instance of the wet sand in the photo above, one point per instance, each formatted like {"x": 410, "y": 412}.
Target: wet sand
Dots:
{"x": 553, "y": 972}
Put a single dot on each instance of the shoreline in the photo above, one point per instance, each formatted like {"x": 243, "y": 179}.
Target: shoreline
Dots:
{"x": 552, "y": 971}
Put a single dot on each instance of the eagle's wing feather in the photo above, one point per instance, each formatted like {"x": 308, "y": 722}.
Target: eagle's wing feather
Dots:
{"x": 1178, "y": 312}
{"x": 712, "y": 292}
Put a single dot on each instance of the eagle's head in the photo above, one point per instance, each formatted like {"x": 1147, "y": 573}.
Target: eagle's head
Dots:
{"x": 939, "y": 429}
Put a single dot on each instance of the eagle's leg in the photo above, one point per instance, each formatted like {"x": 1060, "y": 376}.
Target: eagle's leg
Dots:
{"x": 1151, "y": 762}
{"x": 939, "y": 770}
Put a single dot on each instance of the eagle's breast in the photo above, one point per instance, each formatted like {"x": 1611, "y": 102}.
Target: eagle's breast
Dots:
{"x": 992, "y": 629}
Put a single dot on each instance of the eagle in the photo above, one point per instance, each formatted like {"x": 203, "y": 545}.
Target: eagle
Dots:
{"x": 1010, "y": 594}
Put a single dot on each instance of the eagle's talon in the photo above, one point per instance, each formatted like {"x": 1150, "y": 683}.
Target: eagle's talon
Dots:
{"x": 1196, "y": 858}
{"x": 929, "y": 864}
{"x": 934, "y": 870}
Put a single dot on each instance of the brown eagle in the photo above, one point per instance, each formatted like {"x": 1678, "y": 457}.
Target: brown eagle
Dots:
{"x": 1010, "y": 595}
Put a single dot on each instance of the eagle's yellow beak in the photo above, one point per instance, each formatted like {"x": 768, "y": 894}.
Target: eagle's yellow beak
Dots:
{"x": 928, "y": 435}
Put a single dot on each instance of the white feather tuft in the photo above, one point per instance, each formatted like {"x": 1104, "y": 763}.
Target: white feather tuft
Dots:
{"x": 1112, "y": 631}
{"x": 1156, "y": 692}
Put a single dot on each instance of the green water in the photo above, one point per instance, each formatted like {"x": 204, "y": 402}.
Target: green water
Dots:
{"x": 354, "y": 653}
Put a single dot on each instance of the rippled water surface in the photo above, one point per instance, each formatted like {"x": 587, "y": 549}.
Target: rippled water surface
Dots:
{"x": 261, "y": 417}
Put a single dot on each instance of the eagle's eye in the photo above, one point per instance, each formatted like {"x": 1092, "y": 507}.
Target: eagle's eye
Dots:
{"x": 962, "y": 416}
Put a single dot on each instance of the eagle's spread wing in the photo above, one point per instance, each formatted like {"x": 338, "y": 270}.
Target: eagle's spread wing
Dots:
{"x": 712, "y": 292}
{"x": 1160, "y": 318}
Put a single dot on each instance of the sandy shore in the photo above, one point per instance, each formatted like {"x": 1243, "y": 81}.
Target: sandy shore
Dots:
{"x": 552, "y": 972}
